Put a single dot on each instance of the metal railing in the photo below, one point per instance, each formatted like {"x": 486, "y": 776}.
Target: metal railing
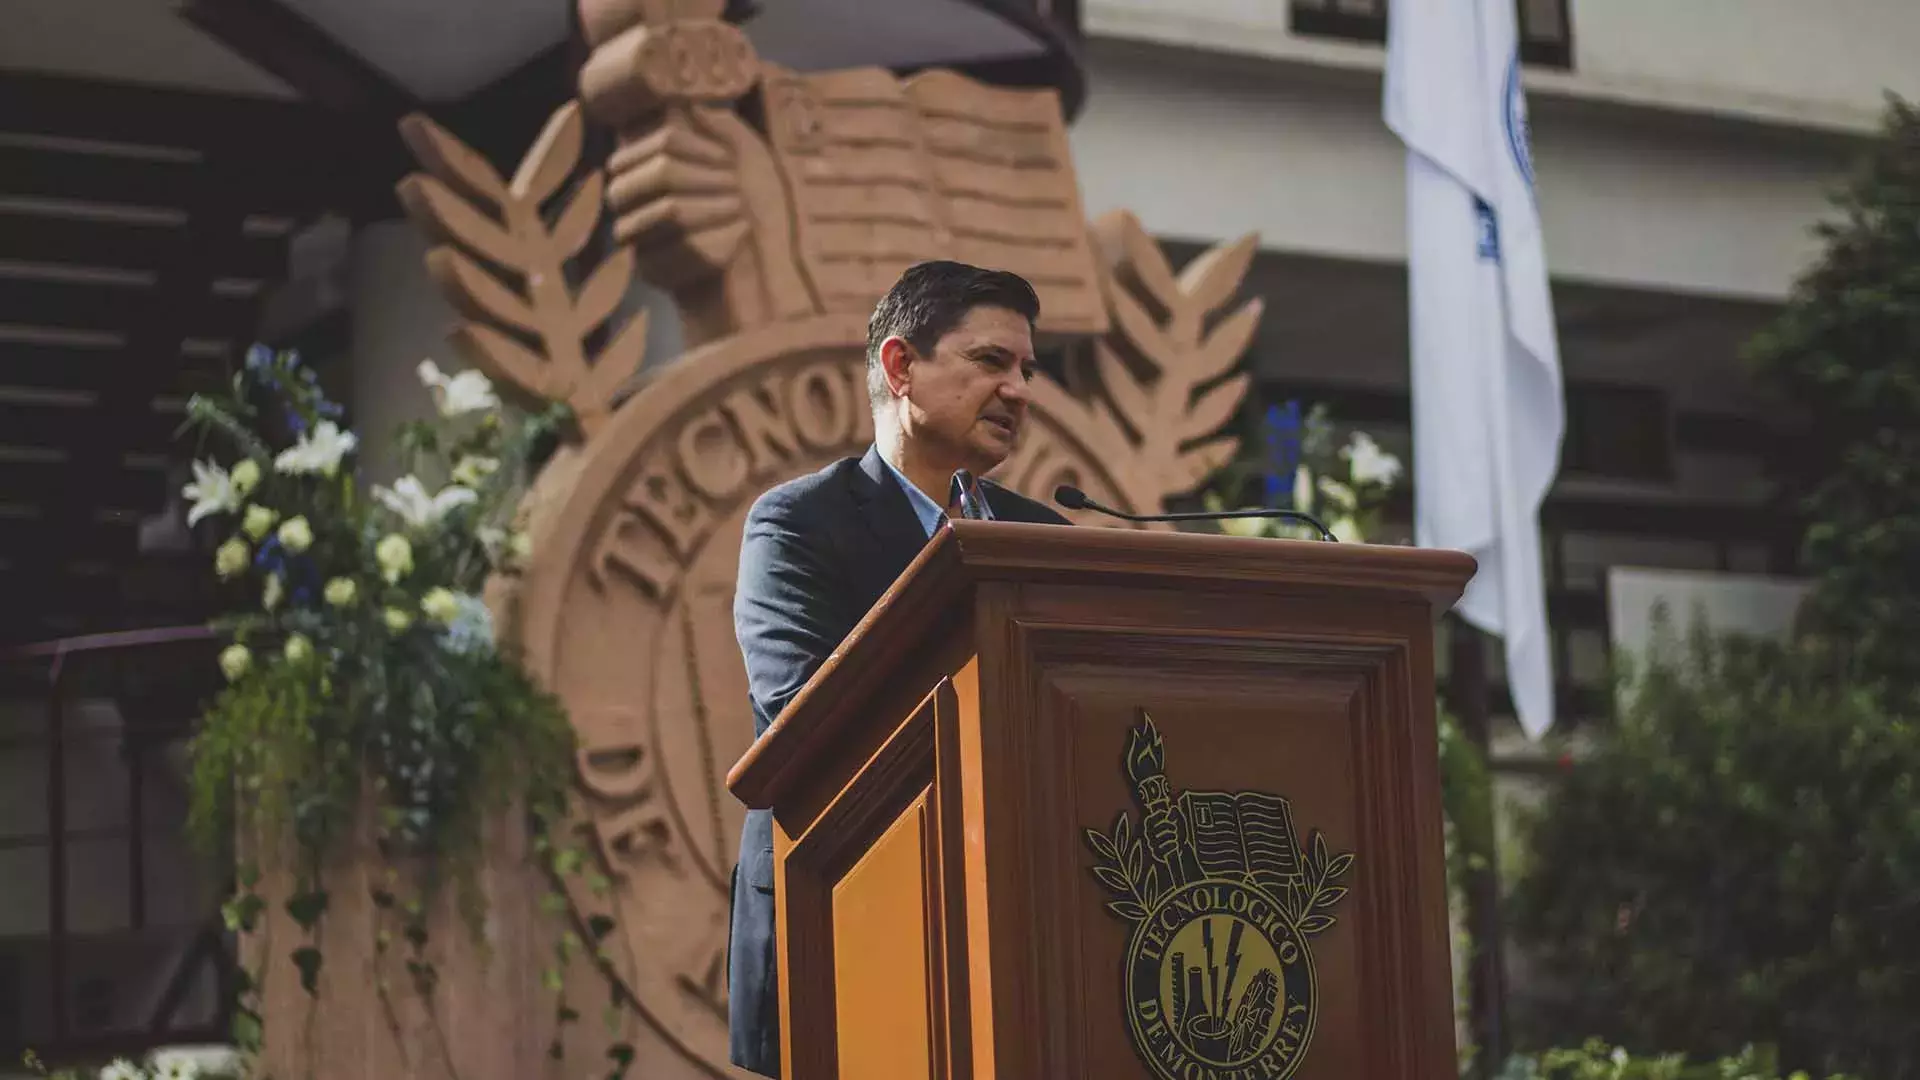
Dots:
{"x": 109, "y": 970}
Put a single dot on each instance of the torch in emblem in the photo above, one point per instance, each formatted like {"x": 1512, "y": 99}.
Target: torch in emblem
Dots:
{"x": 1166, "y": 830}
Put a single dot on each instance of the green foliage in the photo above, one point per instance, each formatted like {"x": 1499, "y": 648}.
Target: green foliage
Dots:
{"x": 1597, "y": 1061}
{"x": 1466, "y": 791}
{"x": 1846, "y": 351}
{"x": 160, "y": 1065}
{"x": 1737, "y": 860}
{"x": 1347, "y": 486}
{"x": 367, "y": 688}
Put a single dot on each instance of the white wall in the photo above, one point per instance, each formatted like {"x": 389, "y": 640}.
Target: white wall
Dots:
{"x": 1748, "y": 603}
{"x": 1821, "y": 63}
{"x": 1827, "y": 61}
{"x": 1208, "y": 147}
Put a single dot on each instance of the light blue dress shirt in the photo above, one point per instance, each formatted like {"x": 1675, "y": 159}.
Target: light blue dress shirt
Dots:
{"x": 929, "y": 512}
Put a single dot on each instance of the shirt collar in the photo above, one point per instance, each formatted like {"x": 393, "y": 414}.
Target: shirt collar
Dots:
{"x": 929, "y": 513}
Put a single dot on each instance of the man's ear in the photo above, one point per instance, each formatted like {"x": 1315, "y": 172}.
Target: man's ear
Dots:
{"x": 896, "y": 360}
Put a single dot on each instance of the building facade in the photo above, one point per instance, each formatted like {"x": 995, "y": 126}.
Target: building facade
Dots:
{"x": 1683, "y": 155}
{"x": 167, "y": 192}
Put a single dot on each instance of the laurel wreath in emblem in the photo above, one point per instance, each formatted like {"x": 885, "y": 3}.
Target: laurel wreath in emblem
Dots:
{"x": 1222, "y": 900}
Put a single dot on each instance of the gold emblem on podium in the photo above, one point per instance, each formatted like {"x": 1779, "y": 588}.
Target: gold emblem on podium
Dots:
{"x": 1223, "y": 900}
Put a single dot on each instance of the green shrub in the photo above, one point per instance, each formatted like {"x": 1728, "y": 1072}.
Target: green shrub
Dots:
{"x": 1738, "y": 860}
{"x": 1846, "y": 352}
{"x": 1598, "y": 1061}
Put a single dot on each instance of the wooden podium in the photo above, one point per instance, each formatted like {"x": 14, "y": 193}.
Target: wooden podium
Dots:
{"x": 1097, "y": 804}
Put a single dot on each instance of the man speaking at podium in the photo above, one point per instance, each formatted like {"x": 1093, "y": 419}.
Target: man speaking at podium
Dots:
{"x": 949, "y": 356}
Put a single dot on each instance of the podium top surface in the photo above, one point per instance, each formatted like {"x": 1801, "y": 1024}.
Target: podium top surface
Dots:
{"x": 967, "y": 554}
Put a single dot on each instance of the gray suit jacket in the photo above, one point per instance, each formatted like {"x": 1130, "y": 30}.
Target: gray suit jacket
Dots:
{"x": 819, "y": 550}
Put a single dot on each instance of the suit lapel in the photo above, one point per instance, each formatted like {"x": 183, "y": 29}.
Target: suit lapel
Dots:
{"x": 1005, "y": 504}
{"x": 891, "y": 524}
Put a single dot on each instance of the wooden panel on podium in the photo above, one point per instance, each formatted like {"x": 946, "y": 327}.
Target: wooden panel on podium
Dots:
{"x": 1085, "y": 803}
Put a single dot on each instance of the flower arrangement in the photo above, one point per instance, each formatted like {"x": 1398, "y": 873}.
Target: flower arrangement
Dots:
{"x": 1301, "y": 467}
{"x": 170, "y": 1063}
{"x": 366, "y": 691}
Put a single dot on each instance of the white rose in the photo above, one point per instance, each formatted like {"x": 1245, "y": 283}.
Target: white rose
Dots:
{"x": 234, "y": 661}
{"x": 231, "y": 558}
{"x": 440, "y": 605}
{"x": 395, "y": 556}
{"x": 258, "y": 521}
{"x": 340, "y": 592}
{"x": 246, "y": 477}
{"x": 296, "y": 535}
{"x": 298, "y": 649}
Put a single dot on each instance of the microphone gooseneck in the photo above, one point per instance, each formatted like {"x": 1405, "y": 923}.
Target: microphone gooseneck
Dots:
{"x": 1074, "y": 499}
{"x": 968, "y": 496}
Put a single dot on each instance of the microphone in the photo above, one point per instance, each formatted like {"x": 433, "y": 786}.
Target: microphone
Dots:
{"x": 1074, "y": 499}
{"x": 970, "y": 509}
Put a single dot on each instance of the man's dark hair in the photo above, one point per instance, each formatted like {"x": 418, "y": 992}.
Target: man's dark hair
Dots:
{"x": 929, "y": 300}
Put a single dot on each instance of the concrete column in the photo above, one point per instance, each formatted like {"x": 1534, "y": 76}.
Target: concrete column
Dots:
{"x": 399, "y": 318}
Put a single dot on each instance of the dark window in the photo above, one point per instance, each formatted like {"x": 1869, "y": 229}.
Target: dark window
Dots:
{"x": 1618, "y": 432}
{"x": 1546, "y": 34}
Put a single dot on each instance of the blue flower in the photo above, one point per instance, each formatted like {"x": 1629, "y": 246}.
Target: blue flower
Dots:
{"x": 1280, "y": 433}
{"x": 303, "y": 574}
{"x": 470, "y": 631}
{"x": 270, "y": 557}
{"x": 259, "y": 358}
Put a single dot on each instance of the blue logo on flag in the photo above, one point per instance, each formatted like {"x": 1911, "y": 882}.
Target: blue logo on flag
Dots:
{"x": 1489, "y": 230}
{"x": 1519, "y": 131}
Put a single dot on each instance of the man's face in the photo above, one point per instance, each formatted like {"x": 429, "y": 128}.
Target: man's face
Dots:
{"x": 967, "y": 401}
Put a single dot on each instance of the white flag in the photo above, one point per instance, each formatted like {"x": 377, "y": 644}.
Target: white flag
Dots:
{"x": 1487, "y": 401}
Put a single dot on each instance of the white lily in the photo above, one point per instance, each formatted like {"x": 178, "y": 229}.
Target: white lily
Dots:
{"x": 474, "y": 469}
{"x": 212, "y": 492}
{"x": 1338, "y": 495}
{"x": 317, "y": 451}
{"x": 1303, "y": 489}
{"x": 193, "y": 1061}
{"x": 408, "y": 499}
{"x": 454, "y": 395}
{"x": 1369, "y": 463}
